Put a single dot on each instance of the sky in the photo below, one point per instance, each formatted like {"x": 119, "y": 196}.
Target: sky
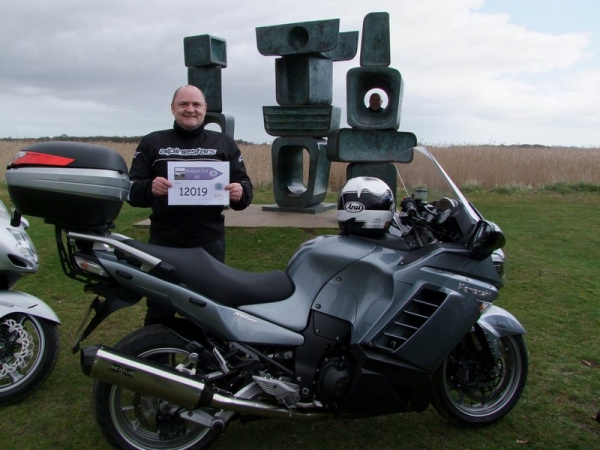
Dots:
{"x": 474, "y": 71}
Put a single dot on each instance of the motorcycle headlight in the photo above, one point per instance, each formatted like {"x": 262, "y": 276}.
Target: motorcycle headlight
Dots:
{"x": 24, "y": 245}
{"x": 498, "y": 260}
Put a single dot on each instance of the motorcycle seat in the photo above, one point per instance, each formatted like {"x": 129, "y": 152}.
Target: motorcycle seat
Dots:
{"x": 197, "y": 269}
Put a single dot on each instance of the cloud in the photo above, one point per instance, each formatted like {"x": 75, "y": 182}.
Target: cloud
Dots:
{"x": 92, "y": 68}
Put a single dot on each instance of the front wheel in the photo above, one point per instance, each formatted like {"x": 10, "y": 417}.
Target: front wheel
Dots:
{"x": 474, "y": 392}
{"x": 28, "y": 352}
{"x": 131, "y": 420}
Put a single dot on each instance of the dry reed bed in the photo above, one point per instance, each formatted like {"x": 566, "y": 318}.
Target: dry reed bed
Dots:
{"x": 487, "y": 166}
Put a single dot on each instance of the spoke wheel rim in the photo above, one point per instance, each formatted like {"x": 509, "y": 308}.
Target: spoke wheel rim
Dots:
{"x": 16, "y": 372}
{"x": 483, "y": 401}
{"x": 135, "y": 416}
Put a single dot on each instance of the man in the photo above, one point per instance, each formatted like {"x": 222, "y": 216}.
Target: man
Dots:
{"x": 375, "y": 103}
{"x": 185, "y": 226}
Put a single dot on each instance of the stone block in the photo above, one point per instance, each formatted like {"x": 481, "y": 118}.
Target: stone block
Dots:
{"x": 303, "y": 80}
{"x": 204, "y": 51}
{"x": 346, "y": 48}
{"x": 208, "y": 79}
{"x": 288, "y": 171}
{"x": 359, "y": 82}
{"x": 225, "y": 121}
{"x": 354, "y": 145}
{"x": 313, "y": 121}
{"x": 384, "y": 171}
{"x": 375, "y": 44}
{"x": 298, "y": 38}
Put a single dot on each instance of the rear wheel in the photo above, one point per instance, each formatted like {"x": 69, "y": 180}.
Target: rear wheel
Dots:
{"x": 29, "y": 349}
{"x": 136, "y": 421}
{"x": 471, "y": 391}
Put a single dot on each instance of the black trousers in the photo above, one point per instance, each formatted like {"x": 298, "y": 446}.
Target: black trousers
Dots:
{"x": 158, "y": 311}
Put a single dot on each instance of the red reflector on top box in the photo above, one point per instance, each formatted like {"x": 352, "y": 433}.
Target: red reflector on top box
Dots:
{"x": 24, "y": 158}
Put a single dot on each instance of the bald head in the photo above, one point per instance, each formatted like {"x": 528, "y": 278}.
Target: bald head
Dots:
{"x": 189, "y": 107}
{"x": 187, "y": 86}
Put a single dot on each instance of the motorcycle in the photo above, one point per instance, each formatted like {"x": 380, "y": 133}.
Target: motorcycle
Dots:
{"x": 29, "y": 338}
{"x": 358, "y": 324}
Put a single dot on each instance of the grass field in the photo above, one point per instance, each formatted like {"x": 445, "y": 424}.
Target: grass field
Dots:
{"x": 547, "y": 201}
{"x": 553, "y": 285}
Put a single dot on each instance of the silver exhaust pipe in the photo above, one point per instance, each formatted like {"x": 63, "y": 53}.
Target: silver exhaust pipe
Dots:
{"x": 148, "y": 377}
{"x": 143, "y": 375}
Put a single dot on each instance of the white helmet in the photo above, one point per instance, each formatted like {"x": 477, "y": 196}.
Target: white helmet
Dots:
{"x": 365, "y": 206}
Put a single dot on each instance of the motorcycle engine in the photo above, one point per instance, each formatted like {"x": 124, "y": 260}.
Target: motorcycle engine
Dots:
{"x": 334, "y": 382}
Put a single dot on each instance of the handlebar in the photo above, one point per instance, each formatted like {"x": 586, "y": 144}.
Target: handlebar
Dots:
{"x": 424, "y": 217}
{"x": 408, "y": 205}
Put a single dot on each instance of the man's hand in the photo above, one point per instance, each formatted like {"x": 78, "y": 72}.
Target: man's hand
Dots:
{"x": 235, "y": 191}
{"x": 160, "y": 186}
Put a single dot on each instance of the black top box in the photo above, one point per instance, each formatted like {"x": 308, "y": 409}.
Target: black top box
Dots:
{"x": 72, "y": 184}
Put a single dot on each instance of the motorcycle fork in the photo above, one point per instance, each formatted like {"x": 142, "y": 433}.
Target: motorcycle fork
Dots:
{"x": 473, "y": 347}
{"x": 484, "y": 346}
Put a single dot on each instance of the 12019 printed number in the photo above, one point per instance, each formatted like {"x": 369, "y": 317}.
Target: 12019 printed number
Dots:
{"x": 192, "y": 192}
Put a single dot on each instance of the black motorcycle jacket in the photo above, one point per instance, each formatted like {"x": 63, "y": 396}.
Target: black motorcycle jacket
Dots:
{"x": 183, "y": 225}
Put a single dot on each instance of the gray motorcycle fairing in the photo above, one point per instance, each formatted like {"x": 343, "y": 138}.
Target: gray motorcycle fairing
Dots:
{"x": 315, "y": 263}
{"x": 369, "y": 287}
{"x": 381, "y": 297}
{"x": 21, "y": 302}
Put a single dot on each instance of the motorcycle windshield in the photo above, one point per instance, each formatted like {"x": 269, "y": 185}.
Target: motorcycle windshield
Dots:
{"x": 426, "y": 180}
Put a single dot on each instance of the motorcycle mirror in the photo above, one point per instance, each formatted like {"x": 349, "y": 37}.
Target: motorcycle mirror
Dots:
{"x": 487, "y": 237}
{"x": 15, "y": 220}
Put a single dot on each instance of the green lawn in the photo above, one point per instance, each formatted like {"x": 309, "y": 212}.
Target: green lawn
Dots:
{"x": 553, "y": 287}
